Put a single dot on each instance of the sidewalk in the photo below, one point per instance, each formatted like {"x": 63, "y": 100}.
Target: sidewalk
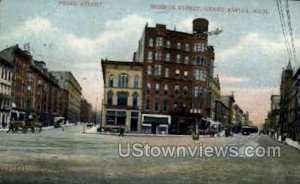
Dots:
{"x": 289, "y": 142}
{"x": 93, "y": 130}
{"x": 44, "y": 128}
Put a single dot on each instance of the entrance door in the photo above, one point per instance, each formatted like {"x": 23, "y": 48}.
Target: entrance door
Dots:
{"x": 133, "y": 125}
{"x": 153, "y": 129}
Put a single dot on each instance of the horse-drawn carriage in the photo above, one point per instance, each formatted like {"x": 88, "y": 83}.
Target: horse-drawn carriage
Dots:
{"x": 24, "y": 125}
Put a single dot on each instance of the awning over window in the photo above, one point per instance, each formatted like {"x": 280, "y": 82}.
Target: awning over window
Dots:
{"x": 156, "y": 120}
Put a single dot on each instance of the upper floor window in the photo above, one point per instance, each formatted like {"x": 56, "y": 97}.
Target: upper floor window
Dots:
{"x": 199, "y": 47}
{"x": 176, "y": 90}
{"x": 149, "y": 70}
{"x": 159, "y": 42}
{"x": 196, "y": 91}
{"x": 134, "y": 100}
{"x": 178, "y": 45}
{"x": 157, "y": 70}
{"x": 136, "y": 81}
{"x": 166, "y": 89}
{"x": 150, "y": 42}
{"x": 166, "y": 72}
{"x": 123, "y": 80}
{"x": 186, "y": 60}
{"x": 111, "y": 81}
{"x": 158, "y": 56}
{"x": 156, "y": 105}
{"x": 167, "y": 57}
{"x": 156, "y": 88}
{"x": 148, "y": 88}
{"x": 185, "y": 91}
{"x": 150, "y": 55}
{"x": 168, "y": 44}
{"x": 110, "y": 98}
{"x": 122, "y": 98}
{"x": 187, "y": 47}
{"x": 166, "y": 104}
{"x": 147, "y": 106}
{"x": 199, "y": 75}
{"x": 177, "y": 58}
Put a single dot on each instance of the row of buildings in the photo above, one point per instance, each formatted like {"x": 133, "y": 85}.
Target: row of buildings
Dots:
{"x": 284, "y": 114}
{"x": 169, "y": 86}
{"x": 28, "y": 88}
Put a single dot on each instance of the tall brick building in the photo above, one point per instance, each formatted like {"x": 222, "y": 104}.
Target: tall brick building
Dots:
{"x": 177, "y": 68}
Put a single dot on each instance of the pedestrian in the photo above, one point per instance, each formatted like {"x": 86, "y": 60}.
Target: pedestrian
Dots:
{"x": 121, "y": 132}
{"x": 40, "y": 127}
{"x": 11, "y": 127}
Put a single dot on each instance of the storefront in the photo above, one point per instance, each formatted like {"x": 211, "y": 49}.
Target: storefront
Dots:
{"x": 155, "y": 124}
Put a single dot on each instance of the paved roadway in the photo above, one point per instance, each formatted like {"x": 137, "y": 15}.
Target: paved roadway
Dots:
{"x": 56, "y": 156}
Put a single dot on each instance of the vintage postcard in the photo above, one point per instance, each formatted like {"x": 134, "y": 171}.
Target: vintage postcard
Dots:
{"x": 157, "y": 91}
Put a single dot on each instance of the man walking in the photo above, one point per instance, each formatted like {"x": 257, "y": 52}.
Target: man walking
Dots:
{"x": 11, "y": 127}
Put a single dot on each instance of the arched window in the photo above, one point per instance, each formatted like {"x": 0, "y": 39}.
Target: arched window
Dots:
{"x": 123, "y": 80}
{"x": 166, "y": 89}
{"x": 185, "y": 91}
{"x": 148, "y": 88}
{"x": 150, "y": 42}
{"x": 176, "y": 90}
{"x": 110, "y": 98}
{"x": 136, "y": 81}
{"x": 135, "y": 100}
{"x": 111, "y": 81}
{"x": 122, "y": 98}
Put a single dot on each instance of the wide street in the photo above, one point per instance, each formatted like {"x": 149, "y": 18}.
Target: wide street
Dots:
{"x": 56, "y": 156}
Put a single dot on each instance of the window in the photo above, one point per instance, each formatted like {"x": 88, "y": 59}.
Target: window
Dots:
{"x": 177, "y": 58}
{"x": 122, "y": 98}
{"x": 199, "y": 75}
{"x": 165, "y": 107}
{"x": 156, "y": 88}
{"x": 196, "y": 91}
{"x": 147, "y": 107}
{"x": 187, "y": 47}
{"x": 156, "y": 105}
{"x": 150, "y": 55}
{"x": 121, "y": 118}
{"x": 157, "y": 70}
{"x": 158, "y": 56}
{"x": 110, "y": 98}
{"x": 149, "y": 70}
{"x": 111, "y": 81}
{"x": 178, "y": 45}
{"x": 185, "y": 73}
{"x": 148, "y": 88}
{"x": 186, "y": 60}
{"x": 150, "y": 42}
{"x": 168, "y": 44}
{"x": 176, "y": 90}
{"x": 159, "y": 42}
{"x": 166, "y": 72}
{"x": 110, "y": 117}
{"x": 199, "y": 47}
{"x": 168, "y": 57}
{"x": 166, "y": 89}
{"x": 135, "y": 100}
{"x": 177, "y": 72}
{"x": 123, "y": 80}
{"x": 185, "y": 91}
{"x": 136, "y": 81}
{"x": 175, "y": 106}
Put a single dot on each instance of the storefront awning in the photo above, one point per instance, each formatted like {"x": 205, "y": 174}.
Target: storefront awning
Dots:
{"x": 155, "y": 120}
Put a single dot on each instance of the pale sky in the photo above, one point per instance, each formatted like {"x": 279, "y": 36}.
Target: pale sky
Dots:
{"x": 249, "y": 53}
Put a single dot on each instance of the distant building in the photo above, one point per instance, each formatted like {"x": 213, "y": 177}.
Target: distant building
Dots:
{"x": 122, "y": 100}
{"x": 67, "y": 81}
{"x": 228, "y": 101}
{"x": 85, "y": 111}
{"x": 6, "y": 71}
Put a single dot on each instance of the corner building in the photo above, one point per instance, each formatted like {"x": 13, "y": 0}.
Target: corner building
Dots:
{"x": 177, "y": 68}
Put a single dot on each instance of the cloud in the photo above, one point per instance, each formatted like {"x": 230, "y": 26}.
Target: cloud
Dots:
{"x": 232, "y": 79}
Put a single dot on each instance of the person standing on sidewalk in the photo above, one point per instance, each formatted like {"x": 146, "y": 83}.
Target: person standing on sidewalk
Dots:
{"x": 11, "y": 127}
